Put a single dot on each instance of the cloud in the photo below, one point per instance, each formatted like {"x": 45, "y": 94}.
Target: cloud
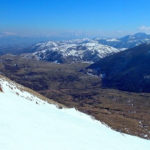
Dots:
{"x": 2, "y": 34}
{"x": 9, "y": 33}
{"x": 145, "y": 29}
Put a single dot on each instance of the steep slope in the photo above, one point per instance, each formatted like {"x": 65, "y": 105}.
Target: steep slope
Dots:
{"x": 27, "y": 122}
{"x": 71, "y": 51}
{"x": 128, "y": 41}
{"x": 128, "y": 70}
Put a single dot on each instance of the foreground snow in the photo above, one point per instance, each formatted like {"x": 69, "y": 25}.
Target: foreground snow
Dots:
{"x": 27, "y": 123}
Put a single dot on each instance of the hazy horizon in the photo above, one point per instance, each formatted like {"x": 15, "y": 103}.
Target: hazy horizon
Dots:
{"x": 73, "y": 19}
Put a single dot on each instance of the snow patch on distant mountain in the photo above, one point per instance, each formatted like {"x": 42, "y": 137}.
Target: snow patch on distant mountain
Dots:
{"x": 80, "y": 50}
{"x": 28, "y": 123}
{"x": 112, "y": 40}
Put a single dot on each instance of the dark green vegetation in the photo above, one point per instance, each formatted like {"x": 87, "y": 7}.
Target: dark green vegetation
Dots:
{"x": 128, "y": 70}
{"x": 67, "y": 84}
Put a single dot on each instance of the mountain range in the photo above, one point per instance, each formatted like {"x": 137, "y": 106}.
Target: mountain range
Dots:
{"x": 84, "y": 50}
{"x": 69, "y": 51}
{"x": 81, "y": 50}
{"x": 126, "y": 42}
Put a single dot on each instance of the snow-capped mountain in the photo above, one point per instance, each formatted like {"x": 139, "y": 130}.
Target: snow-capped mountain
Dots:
{"x": 126, "y": 42}
{"x": 27, "y": 122}
{"x": 81, "y": 50}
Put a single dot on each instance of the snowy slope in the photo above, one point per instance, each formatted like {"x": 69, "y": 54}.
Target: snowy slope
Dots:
{"x": 73, "y": 50}
{"x": 27, "y": 123}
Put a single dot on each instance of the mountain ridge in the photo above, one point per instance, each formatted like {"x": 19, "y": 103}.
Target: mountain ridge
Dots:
{"x": 127, "y": 70}
{"x": 128, "y": 41}
{"x": 83, "y": 50}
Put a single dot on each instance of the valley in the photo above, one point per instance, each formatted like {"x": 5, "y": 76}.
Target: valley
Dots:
{"x": 69, "y": 85}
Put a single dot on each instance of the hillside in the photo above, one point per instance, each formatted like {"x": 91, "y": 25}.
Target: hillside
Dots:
{"x": 67, "y": 84}
{"x": 128, "y": 70}
{"x": 27, "y": 122}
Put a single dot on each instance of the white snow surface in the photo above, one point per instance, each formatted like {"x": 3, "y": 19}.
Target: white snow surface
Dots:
{"x": 112, "y": 40}
{"x": 25, "y": 125}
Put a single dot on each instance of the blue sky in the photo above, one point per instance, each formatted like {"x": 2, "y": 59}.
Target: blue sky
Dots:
{"x": 79, "y": 17}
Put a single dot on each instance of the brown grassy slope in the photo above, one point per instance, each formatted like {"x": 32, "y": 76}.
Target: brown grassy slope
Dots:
{"x": 25, "y": 89}
{"x": 123, "y": 111}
